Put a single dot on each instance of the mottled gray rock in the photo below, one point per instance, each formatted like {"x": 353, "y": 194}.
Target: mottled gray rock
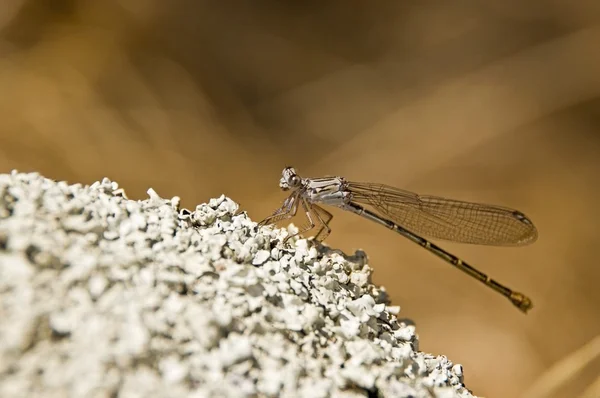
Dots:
{"x": 104, "y": 296}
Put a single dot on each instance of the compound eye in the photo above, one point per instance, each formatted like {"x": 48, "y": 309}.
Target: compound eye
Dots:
{"x": 295, "y": 181}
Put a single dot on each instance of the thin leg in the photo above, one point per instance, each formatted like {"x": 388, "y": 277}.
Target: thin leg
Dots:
{"x": 311, "y": 222}
{"x": 324, "y": 218}
{"x": 286, "y": 211}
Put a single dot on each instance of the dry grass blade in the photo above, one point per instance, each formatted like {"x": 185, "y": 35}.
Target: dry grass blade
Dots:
{"x": 593, "y": 390}
{"x": 566, "y": 370}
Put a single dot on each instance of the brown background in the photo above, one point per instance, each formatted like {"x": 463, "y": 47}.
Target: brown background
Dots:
{"x": 488, "y": 101}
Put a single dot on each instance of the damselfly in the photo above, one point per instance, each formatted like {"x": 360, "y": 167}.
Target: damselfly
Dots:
{"x": 411, "y": 216}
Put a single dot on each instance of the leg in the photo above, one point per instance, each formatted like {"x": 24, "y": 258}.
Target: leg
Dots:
{"x": 286, "y": 211}
{"x": 324, "y": 218}
{"x": 311, "y": 222}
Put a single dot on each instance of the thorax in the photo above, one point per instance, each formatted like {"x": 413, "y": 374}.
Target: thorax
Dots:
{"x": 329, "y": 191}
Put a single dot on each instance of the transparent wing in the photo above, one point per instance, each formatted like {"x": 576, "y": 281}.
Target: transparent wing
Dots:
{"x": 447, "y": 219}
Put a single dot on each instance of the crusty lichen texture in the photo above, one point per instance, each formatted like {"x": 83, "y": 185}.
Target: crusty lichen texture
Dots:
{"x": 105, "y": 296}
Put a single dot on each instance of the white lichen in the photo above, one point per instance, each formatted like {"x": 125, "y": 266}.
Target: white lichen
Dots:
{"x": 105, "y": 296}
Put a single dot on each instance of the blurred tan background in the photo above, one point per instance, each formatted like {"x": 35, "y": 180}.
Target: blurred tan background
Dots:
{"x": 487, "y": 101}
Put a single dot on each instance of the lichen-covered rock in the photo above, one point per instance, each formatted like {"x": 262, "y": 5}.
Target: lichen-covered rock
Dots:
{"x": 105, "y": 296}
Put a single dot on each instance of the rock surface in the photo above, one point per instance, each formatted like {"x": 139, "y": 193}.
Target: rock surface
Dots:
{"x": 104, "y": 296}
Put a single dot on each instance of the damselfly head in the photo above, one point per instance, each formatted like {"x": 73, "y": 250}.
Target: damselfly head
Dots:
{"x": 289, "y": 179}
